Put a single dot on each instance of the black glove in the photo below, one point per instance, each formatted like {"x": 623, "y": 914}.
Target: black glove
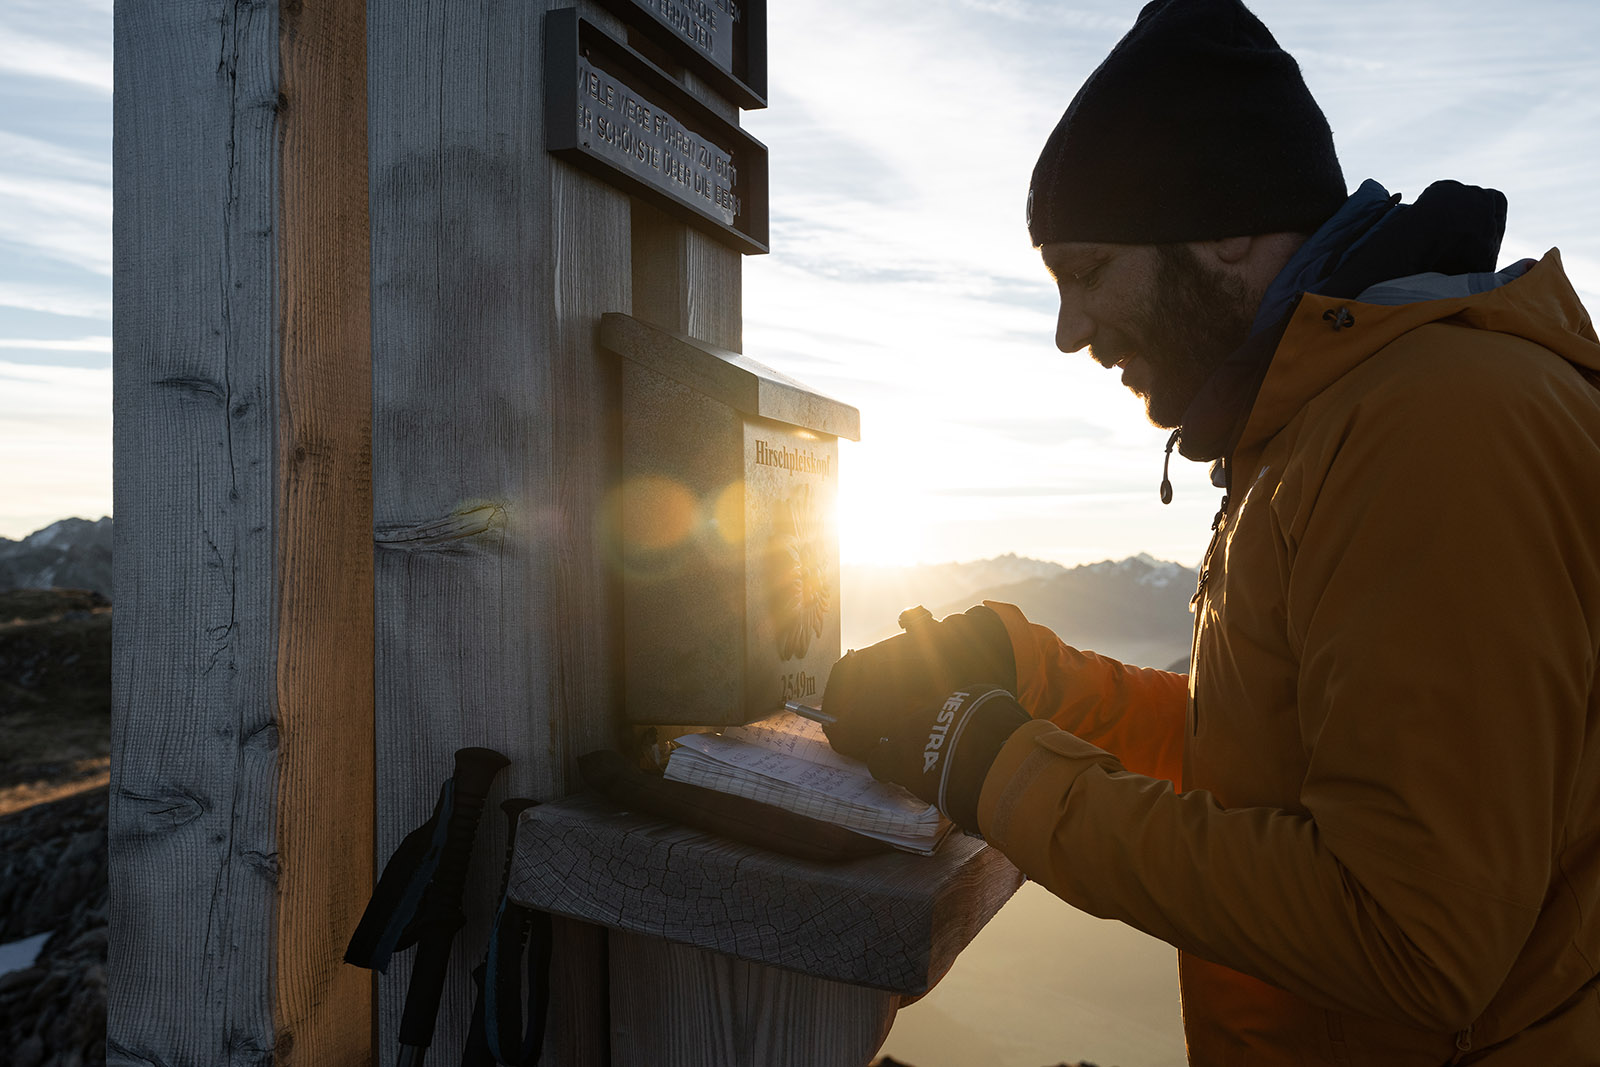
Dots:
{"x": 943, "y": 752}
{"x": 909, "y": 672}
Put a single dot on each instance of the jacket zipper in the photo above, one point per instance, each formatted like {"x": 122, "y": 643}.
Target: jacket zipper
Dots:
{"x": 1197, "y": 609}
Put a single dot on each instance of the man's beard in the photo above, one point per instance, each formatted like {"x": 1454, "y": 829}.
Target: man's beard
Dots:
{"x": 1194, "y": 318}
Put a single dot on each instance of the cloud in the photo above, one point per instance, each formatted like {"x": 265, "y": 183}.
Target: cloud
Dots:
{"x": 53, "y": 390}
{"x": 822, "y": 160}
{"x": 24, "y": 153}
{"x": 55, "y": 444}
{"x": 1008, "y": 491}
{"x": 75, "y": 301}
{"x": 75, "y": 344}
{"x": 1054, "y": 430}
{"x": 1048, "y": 12}
{"x": 54, "y": 59}
{"x": 61, "y": 219}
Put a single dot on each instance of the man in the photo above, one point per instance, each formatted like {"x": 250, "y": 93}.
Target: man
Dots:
{"x": 1369, "y": 817}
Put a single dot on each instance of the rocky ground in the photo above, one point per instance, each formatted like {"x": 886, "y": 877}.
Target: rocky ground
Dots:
{"x": 55, "y": 686}
{"x": 53, "y": 878}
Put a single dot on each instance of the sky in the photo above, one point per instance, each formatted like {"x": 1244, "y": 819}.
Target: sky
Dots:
{"x": 901, "y": 281}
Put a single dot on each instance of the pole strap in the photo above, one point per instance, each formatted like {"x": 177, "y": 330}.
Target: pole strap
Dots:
{"x": 390, "y": 922}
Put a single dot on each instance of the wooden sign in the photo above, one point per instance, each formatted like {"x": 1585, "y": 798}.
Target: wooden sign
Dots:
{"x": 722, "y": 41}
{"x": 617, "y": 115}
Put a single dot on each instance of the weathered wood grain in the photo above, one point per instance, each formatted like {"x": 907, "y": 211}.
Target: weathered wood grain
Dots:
{"x": 678, "y": 1006}
{"x": 322, "y": 1007}
{"x": 195, "y": 867}
{"x": 493, "y": 445}
{"x": 243, "y": 642}
{"x": 577, "y": 1027}
{"x": 685, "y": 281}
{"x": 893, "y": 922}
{"x": 590, "y": 221}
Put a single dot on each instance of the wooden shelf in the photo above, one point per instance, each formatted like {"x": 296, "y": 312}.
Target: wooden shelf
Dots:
{"x": 893, "y": 922}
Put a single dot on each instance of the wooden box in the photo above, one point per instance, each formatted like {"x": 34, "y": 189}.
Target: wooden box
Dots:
{"x": 724, "y": 530}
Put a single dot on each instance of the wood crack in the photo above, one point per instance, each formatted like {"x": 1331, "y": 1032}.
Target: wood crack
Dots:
{"x": 120, "y": 1055}
{"x": 166, "y": 810}
{"x": 445, "y": 533}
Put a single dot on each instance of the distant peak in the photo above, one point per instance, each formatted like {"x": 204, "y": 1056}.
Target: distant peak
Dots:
{"x": 60, "y": 529}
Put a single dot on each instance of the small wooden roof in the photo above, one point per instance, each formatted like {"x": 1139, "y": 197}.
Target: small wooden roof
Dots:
{"x": 730, "y": 377}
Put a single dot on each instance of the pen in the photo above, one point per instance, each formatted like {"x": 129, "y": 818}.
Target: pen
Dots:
{"x": 808, "y": 712}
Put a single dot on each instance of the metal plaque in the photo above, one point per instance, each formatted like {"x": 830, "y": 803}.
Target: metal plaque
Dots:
{"x": 617, "y": 115}
{"x": 722, "y": 41}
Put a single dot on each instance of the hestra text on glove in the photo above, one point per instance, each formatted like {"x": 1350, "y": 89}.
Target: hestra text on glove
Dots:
{"x": 943, "y": 753}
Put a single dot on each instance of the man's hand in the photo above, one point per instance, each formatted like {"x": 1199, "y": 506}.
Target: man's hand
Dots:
{"x": 943, "y": 753}
{"x": 870, "y": 689}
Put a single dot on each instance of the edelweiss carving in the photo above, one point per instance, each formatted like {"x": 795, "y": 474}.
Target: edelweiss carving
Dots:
{"x": 801, "y": 580}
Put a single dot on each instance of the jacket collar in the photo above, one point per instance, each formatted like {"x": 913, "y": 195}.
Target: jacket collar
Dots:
{"x": 1321, "y": 345}
{"x": 1451, "y": 229}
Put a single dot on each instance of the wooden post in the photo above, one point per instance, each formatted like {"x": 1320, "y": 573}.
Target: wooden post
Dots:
{"x": 241, "y": 800}
{"x": 494, "y": 444}
{"x": 674, "y": 1005}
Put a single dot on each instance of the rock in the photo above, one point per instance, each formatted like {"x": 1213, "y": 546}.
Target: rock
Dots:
{"x": 52, "y": 862}
{"x": 53, "y": 1014}
{"x": 30, "y": 1053}
{"x": 23, "y": 980}
{"x": 85, "y": 847}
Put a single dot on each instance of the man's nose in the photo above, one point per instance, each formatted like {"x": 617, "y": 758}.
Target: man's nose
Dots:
{"x": 1074, "y": 329}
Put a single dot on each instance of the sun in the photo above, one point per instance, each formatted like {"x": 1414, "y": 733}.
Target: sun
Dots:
{"x": 880, "y": 521}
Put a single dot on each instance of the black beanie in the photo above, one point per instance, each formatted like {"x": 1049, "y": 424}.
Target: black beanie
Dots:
{"x": 1196, "y": 127}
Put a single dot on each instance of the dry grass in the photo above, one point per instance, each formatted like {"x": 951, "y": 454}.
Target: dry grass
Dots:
{"x": 83, "y": 776}
{"x": 55, "y": 695}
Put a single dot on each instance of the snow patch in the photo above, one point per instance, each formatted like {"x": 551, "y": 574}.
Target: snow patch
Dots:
{"x": 17, "y": 955}
{"x": 1143, "y": 569}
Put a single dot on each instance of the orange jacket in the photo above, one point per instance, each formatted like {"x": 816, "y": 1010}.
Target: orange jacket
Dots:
{"x": 1369, "y": 818}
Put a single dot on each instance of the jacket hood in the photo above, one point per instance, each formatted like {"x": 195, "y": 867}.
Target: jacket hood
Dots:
{"x": 1327, "y": 336}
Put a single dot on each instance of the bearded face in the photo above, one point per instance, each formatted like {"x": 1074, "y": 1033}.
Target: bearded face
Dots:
{"x": 1159, "y": 313}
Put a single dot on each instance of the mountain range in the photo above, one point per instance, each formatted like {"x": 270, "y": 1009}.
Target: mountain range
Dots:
{"x": 1135, "y": 610}
{"x": 69, "y": 554}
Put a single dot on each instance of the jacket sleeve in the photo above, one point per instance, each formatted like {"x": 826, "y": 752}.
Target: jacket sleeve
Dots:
{"x": 1443, "y": 596}
{"x": 1136, "y": 713}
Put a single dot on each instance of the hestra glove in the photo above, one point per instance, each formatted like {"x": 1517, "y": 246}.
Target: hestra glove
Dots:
{"x": 881, "y": 683}
{"x": 944, "y": 752}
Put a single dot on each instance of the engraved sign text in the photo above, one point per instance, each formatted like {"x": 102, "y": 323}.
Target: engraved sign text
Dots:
{"x": 651, "y": 143}
{"x": 708, "y": 25}
{"x": 793, "y": 459}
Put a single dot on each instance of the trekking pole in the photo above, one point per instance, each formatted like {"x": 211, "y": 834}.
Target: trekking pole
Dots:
{"x": 417, "y": 900}
{"x": 441, "y": 914}
{"x": 498, "y": 1034}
